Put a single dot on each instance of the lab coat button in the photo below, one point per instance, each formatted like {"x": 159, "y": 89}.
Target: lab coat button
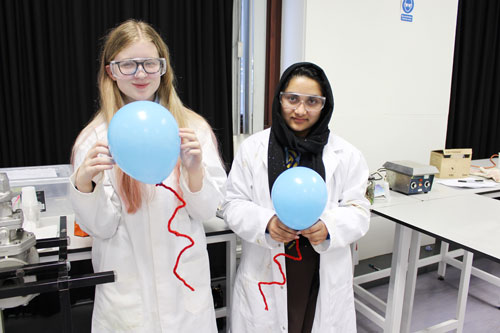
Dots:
{"x": 283, "y": 328}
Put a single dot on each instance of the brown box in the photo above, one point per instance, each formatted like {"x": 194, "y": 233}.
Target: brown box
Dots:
{"x": 452, "y": 163}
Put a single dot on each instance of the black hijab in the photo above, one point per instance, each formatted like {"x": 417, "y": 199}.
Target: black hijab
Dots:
{"x": 281, "y": 137}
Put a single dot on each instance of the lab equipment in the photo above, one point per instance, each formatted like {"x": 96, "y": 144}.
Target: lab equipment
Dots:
{"x": 410, "y": 177}
{"x": 17, "y": 246}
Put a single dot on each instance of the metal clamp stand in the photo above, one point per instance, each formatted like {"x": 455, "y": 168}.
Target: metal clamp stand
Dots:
{"x": 63, "y": 283}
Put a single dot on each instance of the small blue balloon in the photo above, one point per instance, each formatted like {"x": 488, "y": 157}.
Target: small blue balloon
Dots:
{"x": 299, "y": 197}
{"x": 143, "y": 138}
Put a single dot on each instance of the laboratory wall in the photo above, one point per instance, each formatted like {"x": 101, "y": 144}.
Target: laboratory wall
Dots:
{"x": 391, "y": 80}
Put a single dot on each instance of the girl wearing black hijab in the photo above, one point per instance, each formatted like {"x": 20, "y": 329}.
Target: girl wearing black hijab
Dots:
{"x": 318, "y": 295}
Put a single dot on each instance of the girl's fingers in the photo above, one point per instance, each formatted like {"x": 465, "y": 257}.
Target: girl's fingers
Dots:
{"x": 191, "y": 145}
{"x": 286, "y": 229}
{"x": 314, "y": 228}
{"x": 316, "y": 233}
{"x": 186, "y": 130}
{"x": 100, "y": 167}
{"x": 104, "y": 160}
{"x": 286, "y": 234}
{"x": 279, "y": 238}
{"x": 187, "y": 135}
{"x": 98, "y": 150}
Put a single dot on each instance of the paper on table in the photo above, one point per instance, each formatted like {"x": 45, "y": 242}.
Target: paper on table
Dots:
{"x": 469, "y": 182}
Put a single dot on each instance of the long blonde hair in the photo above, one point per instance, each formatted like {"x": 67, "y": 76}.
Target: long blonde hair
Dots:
{"x": 111, "y": 99}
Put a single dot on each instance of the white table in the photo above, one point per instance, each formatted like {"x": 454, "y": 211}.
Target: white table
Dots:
{"x": 456, "y": 216}
{"x": 470, "y": 221}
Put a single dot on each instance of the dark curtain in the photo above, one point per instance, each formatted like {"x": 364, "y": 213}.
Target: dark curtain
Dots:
{"x": 474, "y": 117}
{"x": 49, "y": 51}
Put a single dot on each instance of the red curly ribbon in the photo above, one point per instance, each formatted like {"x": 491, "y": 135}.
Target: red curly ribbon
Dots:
{"x": 178, "y": 234}
{"x": 299, "y": 258}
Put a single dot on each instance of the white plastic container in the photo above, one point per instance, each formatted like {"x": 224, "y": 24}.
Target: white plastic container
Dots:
{"x": 30, "y": 205}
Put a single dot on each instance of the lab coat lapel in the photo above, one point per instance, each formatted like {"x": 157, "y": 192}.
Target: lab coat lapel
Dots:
{"x": 330, "y": 159}
{"x": 262, "y": 155}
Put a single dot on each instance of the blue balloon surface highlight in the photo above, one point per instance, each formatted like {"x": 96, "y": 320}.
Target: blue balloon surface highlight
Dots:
{"x": 299, "y": 197}
{"x": 143, "y": 139}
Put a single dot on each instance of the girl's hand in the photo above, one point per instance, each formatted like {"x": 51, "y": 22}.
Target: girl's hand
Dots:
{"x": 317, "y": 233}
{"x": 97, "y": 160}
{"x": 191, "y": 157}
{"x": 280, "y": 232}
{"x": 190, "y": 150}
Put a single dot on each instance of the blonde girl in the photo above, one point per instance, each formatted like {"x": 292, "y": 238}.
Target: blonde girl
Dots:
{"x": 128, "y": 219}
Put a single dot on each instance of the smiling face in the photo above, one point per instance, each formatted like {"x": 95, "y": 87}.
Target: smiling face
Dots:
{"x": 139, "y": 86}
{"x": 300, "y": 120}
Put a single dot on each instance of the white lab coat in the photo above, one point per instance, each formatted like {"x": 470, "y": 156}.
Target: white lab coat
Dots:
{"x": 247, "y": 210}
{"x": 146, "y": 296}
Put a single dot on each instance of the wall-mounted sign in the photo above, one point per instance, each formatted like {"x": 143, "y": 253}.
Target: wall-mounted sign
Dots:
{"x": 406, "y": 9}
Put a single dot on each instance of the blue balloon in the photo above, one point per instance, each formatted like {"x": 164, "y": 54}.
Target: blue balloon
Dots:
{"x": 299, "y": 197}
{"x": 143, "y": 138}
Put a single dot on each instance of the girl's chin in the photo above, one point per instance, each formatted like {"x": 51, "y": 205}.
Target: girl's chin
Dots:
{"x": 140, "y": 98}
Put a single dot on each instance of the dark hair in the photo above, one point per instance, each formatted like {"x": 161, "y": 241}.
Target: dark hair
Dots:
{"x": 309, "y": 72}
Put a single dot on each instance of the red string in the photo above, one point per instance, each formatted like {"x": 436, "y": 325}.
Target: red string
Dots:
{"x": 491, "y": 160}
{"x": 178, "y": 234}
{"x": 299, "y": 258}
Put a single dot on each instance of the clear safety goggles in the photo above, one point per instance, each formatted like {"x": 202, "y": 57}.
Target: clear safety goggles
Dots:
{"x": 128, "y": 67}
{"x": 292, "y": 101}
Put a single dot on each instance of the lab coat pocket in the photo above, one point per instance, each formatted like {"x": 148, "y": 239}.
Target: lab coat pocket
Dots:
{"x": 196, "y": 272}
{"x": 341, "y": 311}
{"x": 250, "y": 304}
{"x": 118, "y": 305}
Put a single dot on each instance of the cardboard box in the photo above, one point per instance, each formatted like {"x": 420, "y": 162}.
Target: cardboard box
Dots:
{"x": 452, "y": 163}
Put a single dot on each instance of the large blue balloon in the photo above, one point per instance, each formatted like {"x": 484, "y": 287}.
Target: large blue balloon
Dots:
{"x": 143, "y": 138}
{"x": 299, "y": 197}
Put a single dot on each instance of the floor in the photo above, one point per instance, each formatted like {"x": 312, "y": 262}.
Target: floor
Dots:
{"x": 435, "y": 301}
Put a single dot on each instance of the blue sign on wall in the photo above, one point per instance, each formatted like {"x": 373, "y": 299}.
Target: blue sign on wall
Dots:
{"x": 406, "y": 8}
